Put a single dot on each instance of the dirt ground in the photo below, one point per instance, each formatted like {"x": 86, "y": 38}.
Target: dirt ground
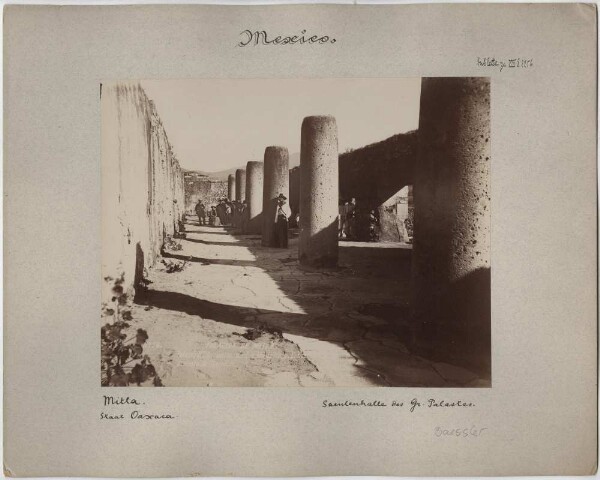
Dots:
{"x": 240, "y": 314}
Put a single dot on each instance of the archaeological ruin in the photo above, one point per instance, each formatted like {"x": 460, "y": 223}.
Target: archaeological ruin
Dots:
{"x": 254, "y": 197}
{"x": 276, "y": 181}
{"x": 414, "y": 206}
{"x": 142, "y": 187}
{"x": 199, "y": 186}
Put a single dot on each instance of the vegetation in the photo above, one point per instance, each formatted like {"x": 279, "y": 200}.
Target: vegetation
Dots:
{"x": 123, "y": 362}
{"x": 408, "y": 222}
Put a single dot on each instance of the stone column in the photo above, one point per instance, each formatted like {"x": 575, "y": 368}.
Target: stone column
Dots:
{"x": 318, "y": 192}
{"x": 240, "y": 185}
{"x": 451, "y": 253}
{"x": 277, "y": 180}
{"x": 294, "y": 198}
{"x": 231, "y": 187}
{"x": 254, "y": 188}
{"x": 232, "y": 197}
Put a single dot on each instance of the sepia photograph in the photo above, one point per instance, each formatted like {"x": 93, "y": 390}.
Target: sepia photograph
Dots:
{"x": 296, "y": 232}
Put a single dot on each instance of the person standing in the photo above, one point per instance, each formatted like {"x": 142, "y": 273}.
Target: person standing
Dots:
{"x": 344, "y": 209}
{"x": 351, "y": 220}
{"x": 373, "y": 227}
{"x": 201, "y": 212}
{"x": 220, "y": 209}
{"x": 282, "y": 216}
{"x": 216, "y": 221}
{"x": 244, "y": 216}
{"x": 234, "y": 213}
{"x": 228, "y": 211}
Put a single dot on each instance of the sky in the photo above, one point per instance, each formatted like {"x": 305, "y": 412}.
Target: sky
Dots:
{"x": 216, "y": 124}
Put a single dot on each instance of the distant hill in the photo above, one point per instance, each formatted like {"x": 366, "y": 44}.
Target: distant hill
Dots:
{"x": 224, "y": 174}
{"x": 220, "y": 175}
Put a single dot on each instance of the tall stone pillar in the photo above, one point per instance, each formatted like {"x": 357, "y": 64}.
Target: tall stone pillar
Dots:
{"x": 231, "y": 187}
{"x": 451, "y": 252}
{"x": 232, "y": 197}
{"x": 319, "y": 192}
{"x": 294, "y": 198}
{"x": 240, "y": 185}
{"x": 277, "y": 180}
{"x": 254, "y": 188}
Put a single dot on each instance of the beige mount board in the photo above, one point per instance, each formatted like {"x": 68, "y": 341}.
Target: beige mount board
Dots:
{"x": 538, "y": 414}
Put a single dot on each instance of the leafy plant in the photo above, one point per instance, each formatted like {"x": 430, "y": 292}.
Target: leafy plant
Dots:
{"x": 173, "y": 266}
{"x": 408, "y": 221}
{"x": 144, "y": 371}
{"x": 122, "y": 360}
{"x": 171, "y": 244}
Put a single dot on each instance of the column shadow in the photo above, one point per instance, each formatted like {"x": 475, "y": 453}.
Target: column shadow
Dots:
{"x": 362, "y": 265}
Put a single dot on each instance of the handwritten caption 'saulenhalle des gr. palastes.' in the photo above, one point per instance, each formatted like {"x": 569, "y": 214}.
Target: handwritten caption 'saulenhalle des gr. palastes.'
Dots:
{"x": 414, "y": 404}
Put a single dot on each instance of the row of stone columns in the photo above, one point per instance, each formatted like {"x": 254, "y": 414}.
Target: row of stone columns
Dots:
{"x": 450, "y": 186}
{"x": 264, "y": 182}
{"x": 261, "y": 182}
{"x": 450, "y": 279}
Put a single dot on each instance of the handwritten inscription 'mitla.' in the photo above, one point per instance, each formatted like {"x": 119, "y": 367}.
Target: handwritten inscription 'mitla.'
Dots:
{"x": 260, "y": 37}
{"x": 108, "y": 400}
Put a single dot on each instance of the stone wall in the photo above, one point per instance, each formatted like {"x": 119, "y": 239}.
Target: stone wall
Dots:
{"x": 202, "y": 187}
{"x": 142, "y": 186}
{"x": 393, "y": 214}
{"x": 375, "y": 175}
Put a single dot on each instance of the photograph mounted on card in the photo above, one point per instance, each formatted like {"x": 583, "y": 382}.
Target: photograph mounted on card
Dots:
{"x": 232, "y": 229}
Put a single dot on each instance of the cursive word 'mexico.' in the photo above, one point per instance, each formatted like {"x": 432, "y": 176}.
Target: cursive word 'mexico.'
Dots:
{"x": 260, "y": 37}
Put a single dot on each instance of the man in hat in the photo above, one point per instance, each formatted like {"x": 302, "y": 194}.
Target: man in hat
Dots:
{"x": 220, "y": 209}
{"x": 351, "y": 220}
{"x": 228, "y": 211}
{"x": 373, "y": 227}
{"x": 243, "y": 215}
{"x": 214, "y": 218}
{"x": 201, "y": 212}
{"x": 282, "y": 216}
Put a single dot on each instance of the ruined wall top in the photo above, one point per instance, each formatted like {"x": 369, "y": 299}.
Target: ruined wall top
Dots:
{"x": 377, "y": 171}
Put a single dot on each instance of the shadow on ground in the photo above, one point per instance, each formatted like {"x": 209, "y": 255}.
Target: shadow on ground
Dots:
{"x": 356, "y": 313}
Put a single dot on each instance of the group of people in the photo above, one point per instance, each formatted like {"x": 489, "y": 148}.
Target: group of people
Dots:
{"x": 354, "y": 223}
{"x": 226, "y": 212}
{"x": 234, "y": 213}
